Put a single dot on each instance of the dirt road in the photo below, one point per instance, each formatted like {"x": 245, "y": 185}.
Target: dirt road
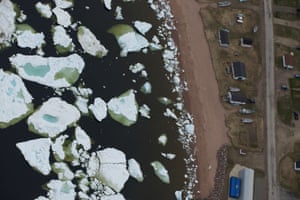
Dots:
{"x": 273, "y": 192}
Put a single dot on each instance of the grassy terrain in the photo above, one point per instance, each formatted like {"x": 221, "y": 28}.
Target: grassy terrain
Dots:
{"x": 286, "y": 16}
{"x": 290, "y": 3}
{"x": 287, "y": 32}
{"x": 285, "y": 109}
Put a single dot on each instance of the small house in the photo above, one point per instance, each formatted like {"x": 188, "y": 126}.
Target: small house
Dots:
{"x": 224, "y": 37}
{"x": 288, "y": 61}
{"x": 236, "y": 98}
{"x": 246, "y": 42}
{"x": 247, "y": 183}
{"x": 238, "y": 71}
{"x": 297, "y": 165}
{"x": 235, "y": 187}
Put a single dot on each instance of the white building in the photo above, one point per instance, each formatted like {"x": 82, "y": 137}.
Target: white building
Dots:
{"x": 247, "y": 185}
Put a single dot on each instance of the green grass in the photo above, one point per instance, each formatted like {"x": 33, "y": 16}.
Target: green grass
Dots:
{"x": 287, "y": 16}
{"x": 285, "y": 109}
{"x": 287, "y": 32}
{"x": 290, "y": 3}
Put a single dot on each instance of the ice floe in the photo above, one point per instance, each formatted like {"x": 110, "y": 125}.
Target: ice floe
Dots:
{"x": 37, "y": 153}
{"x": 16, "y": 101}
{"x": 82, "y": 104}
{"x": 169, "y": 156}
{"x": 118, "y": 13}
{"x": 146, "y": 88}
{"x": 63, "y": 17}
{"x": 107, "y": 4}
{"x": 27, "y": 38}
{"x": 136, "y": 68}
{"x": 142, "y": 27}
{"x": 7, "y": 21}
{"x": 144, "y": 110}
{"x": 135, "y": 170}
{"x": 128, "y": 39}
{"x": 113, "y": 197}
{"x": 82, "y": 138}
{"x": 90, "y": 43}
{"x": 57, "y": 147}
{"x": 160, "y": 171}
{"x": 59, "y": 190}
{"x": 50, "y": 71}
{"x": 44, "y": 9}
{"x": 53, "y": 117}
{"x": 61, "y": 40}
{"x": 63, "y": 171}
{"x": 124, "y": 109}
{"x": 99, "y": 109}
{"x": 64, "y": 3}
{"x": 163, "y": 139}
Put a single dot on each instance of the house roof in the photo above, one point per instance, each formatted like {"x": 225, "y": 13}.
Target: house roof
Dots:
{"x": 247, "y": 41}
{"x": 238, "y": 97}
{"x": 297, "y": 164}
{"x": 289, "y": 60}
{"x": 224, "y": 36}
{"x": 239, "y": 69}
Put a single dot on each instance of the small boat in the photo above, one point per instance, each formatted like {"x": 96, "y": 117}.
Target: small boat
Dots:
{"x": 246, "y": 111}
{"x": 234, "y": 89}
{"x": 224, "y": 3}
{"x": 247, "y": 120}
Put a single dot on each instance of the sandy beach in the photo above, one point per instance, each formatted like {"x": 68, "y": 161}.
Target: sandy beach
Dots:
{"x": 202, "y": 98}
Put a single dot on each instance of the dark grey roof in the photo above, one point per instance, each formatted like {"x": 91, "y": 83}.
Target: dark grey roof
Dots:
{"x": 238, "y": 97}
{"x": 247, "y": 41}
{"x": 239, "y": 69}
{"x": 224, "y": 36}
{"x": 297, "y": 164}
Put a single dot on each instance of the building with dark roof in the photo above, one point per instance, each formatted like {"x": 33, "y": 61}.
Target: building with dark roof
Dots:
{"x": 224, "y": 37}
{"x": 246, "y": 42}
{"x": 288, "y": 61}
{"x": 297, "y": 165}
{"x": 238, "y": 71}
{"x": 236, "y": 98}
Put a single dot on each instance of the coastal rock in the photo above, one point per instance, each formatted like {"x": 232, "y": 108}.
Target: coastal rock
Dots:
{"x": 53, "y": 117}
{"x": 124, "y": 108}
{"x": 37, "y": 153}
{"x": 16, "y": 102}
{"x": 50, "y": 71}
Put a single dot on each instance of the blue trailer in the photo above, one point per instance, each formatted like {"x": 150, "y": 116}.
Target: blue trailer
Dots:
{"x": 235, "y": 187}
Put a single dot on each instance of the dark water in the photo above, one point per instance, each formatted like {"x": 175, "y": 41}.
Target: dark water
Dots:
{"x": 108, "y": 77}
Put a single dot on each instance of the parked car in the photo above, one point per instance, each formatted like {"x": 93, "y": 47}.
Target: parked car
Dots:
{"x": 297, "y": 76}
{"x": 284, "y": 87}
{"x": 296, "y": 115}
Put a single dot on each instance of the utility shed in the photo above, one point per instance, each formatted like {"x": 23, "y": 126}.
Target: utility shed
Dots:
{"x": 224, "y": 37}
{"x": 238, "y": 71}
{"x": 235, "y": 187}
{"x": 236, "y": 98}
{"x": 246, "y": 42}
{"x": 297, "y": 165}
{"x": 247, "y": 183}
{"x": 288, "y": 61}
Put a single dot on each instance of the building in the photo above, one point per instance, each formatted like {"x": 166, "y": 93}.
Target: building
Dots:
{"x": 236, "y": 98}
{"x": 234, "y": 187}
{"x": 297, "y": 165}
{"x": 224, "y": 37}
{"x": 238, "y": 71}
{"x": 247, "y": 183}
{"x": 246, "y": 42}
{"x": 288, "y": 61}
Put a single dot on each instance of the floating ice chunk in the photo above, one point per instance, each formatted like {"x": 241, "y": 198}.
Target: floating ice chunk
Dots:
{"x": 41, "y": 198}
{"x": 37, "y": 152}
{"x": 144, "y": 110}
{"x": 142, "y": 27}
{"x": 99, "y": 109}
{"x": 169, "y": 156}
{"x": 160, "y": 171}
{"x": 135, "y": 170}
{"x": 169, "y": 113}
{"x": 15, "y": 99}
{"x": 146, "y": 88}
{"x": 81, "y": 104}
{"x": 54, "y": 116}
{"x": 90, "y": 43}
{"x": 128, "y": 39}
{"x": 190, "y": 128}
{"x": 62, "y": 41}
{"x": 64, "y": 3}
{"x": 30, "y": 39}
{"x": 136, "y": 68}
{"x": 81, "y": 91}
{"x": 112, "y": 171}
{"x": 57, "y": 147}
{"x": 107, "y": 4}
{"x": 163, "y": 139}
{"x": 124, "y": 108}
{"x": 7, "y": 21}
{"x": 113, "y": 197}
{"x": 178, "y": 195}
{"x": 59, "y": 190}
{"x": 83, "y": 196}
{"x": 82, "y": 138}
{"x": 128, "y": 0}
{"x": 63, "y": 17}
{"x": 51, "y": 71}
{"x": 22, "y": 17}
{"x": 44, "y": 9}
{"x": 118, "y": 13}
{"x": 63, "y": 171}
{"x": 93, "y": 165}
{"x": 164, "y": 100}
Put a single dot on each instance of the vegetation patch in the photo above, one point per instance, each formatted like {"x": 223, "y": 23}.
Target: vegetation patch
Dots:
{"x": 290, "y": 3}
{"x": 287, "y": 32}
{"x": 287, "y": 16}
{"x": 285, "y": 109}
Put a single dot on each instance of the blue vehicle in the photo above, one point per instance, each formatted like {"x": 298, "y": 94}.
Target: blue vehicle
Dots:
{"x": 235, "y": 187}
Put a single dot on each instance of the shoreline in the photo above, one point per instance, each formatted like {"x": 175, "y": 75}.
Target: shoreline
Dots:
{"x": 202, "y": 99}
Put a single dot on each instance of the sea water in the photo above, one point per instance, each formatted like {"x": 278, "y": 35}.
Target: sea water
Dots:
{"x": 107, "y": 77}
